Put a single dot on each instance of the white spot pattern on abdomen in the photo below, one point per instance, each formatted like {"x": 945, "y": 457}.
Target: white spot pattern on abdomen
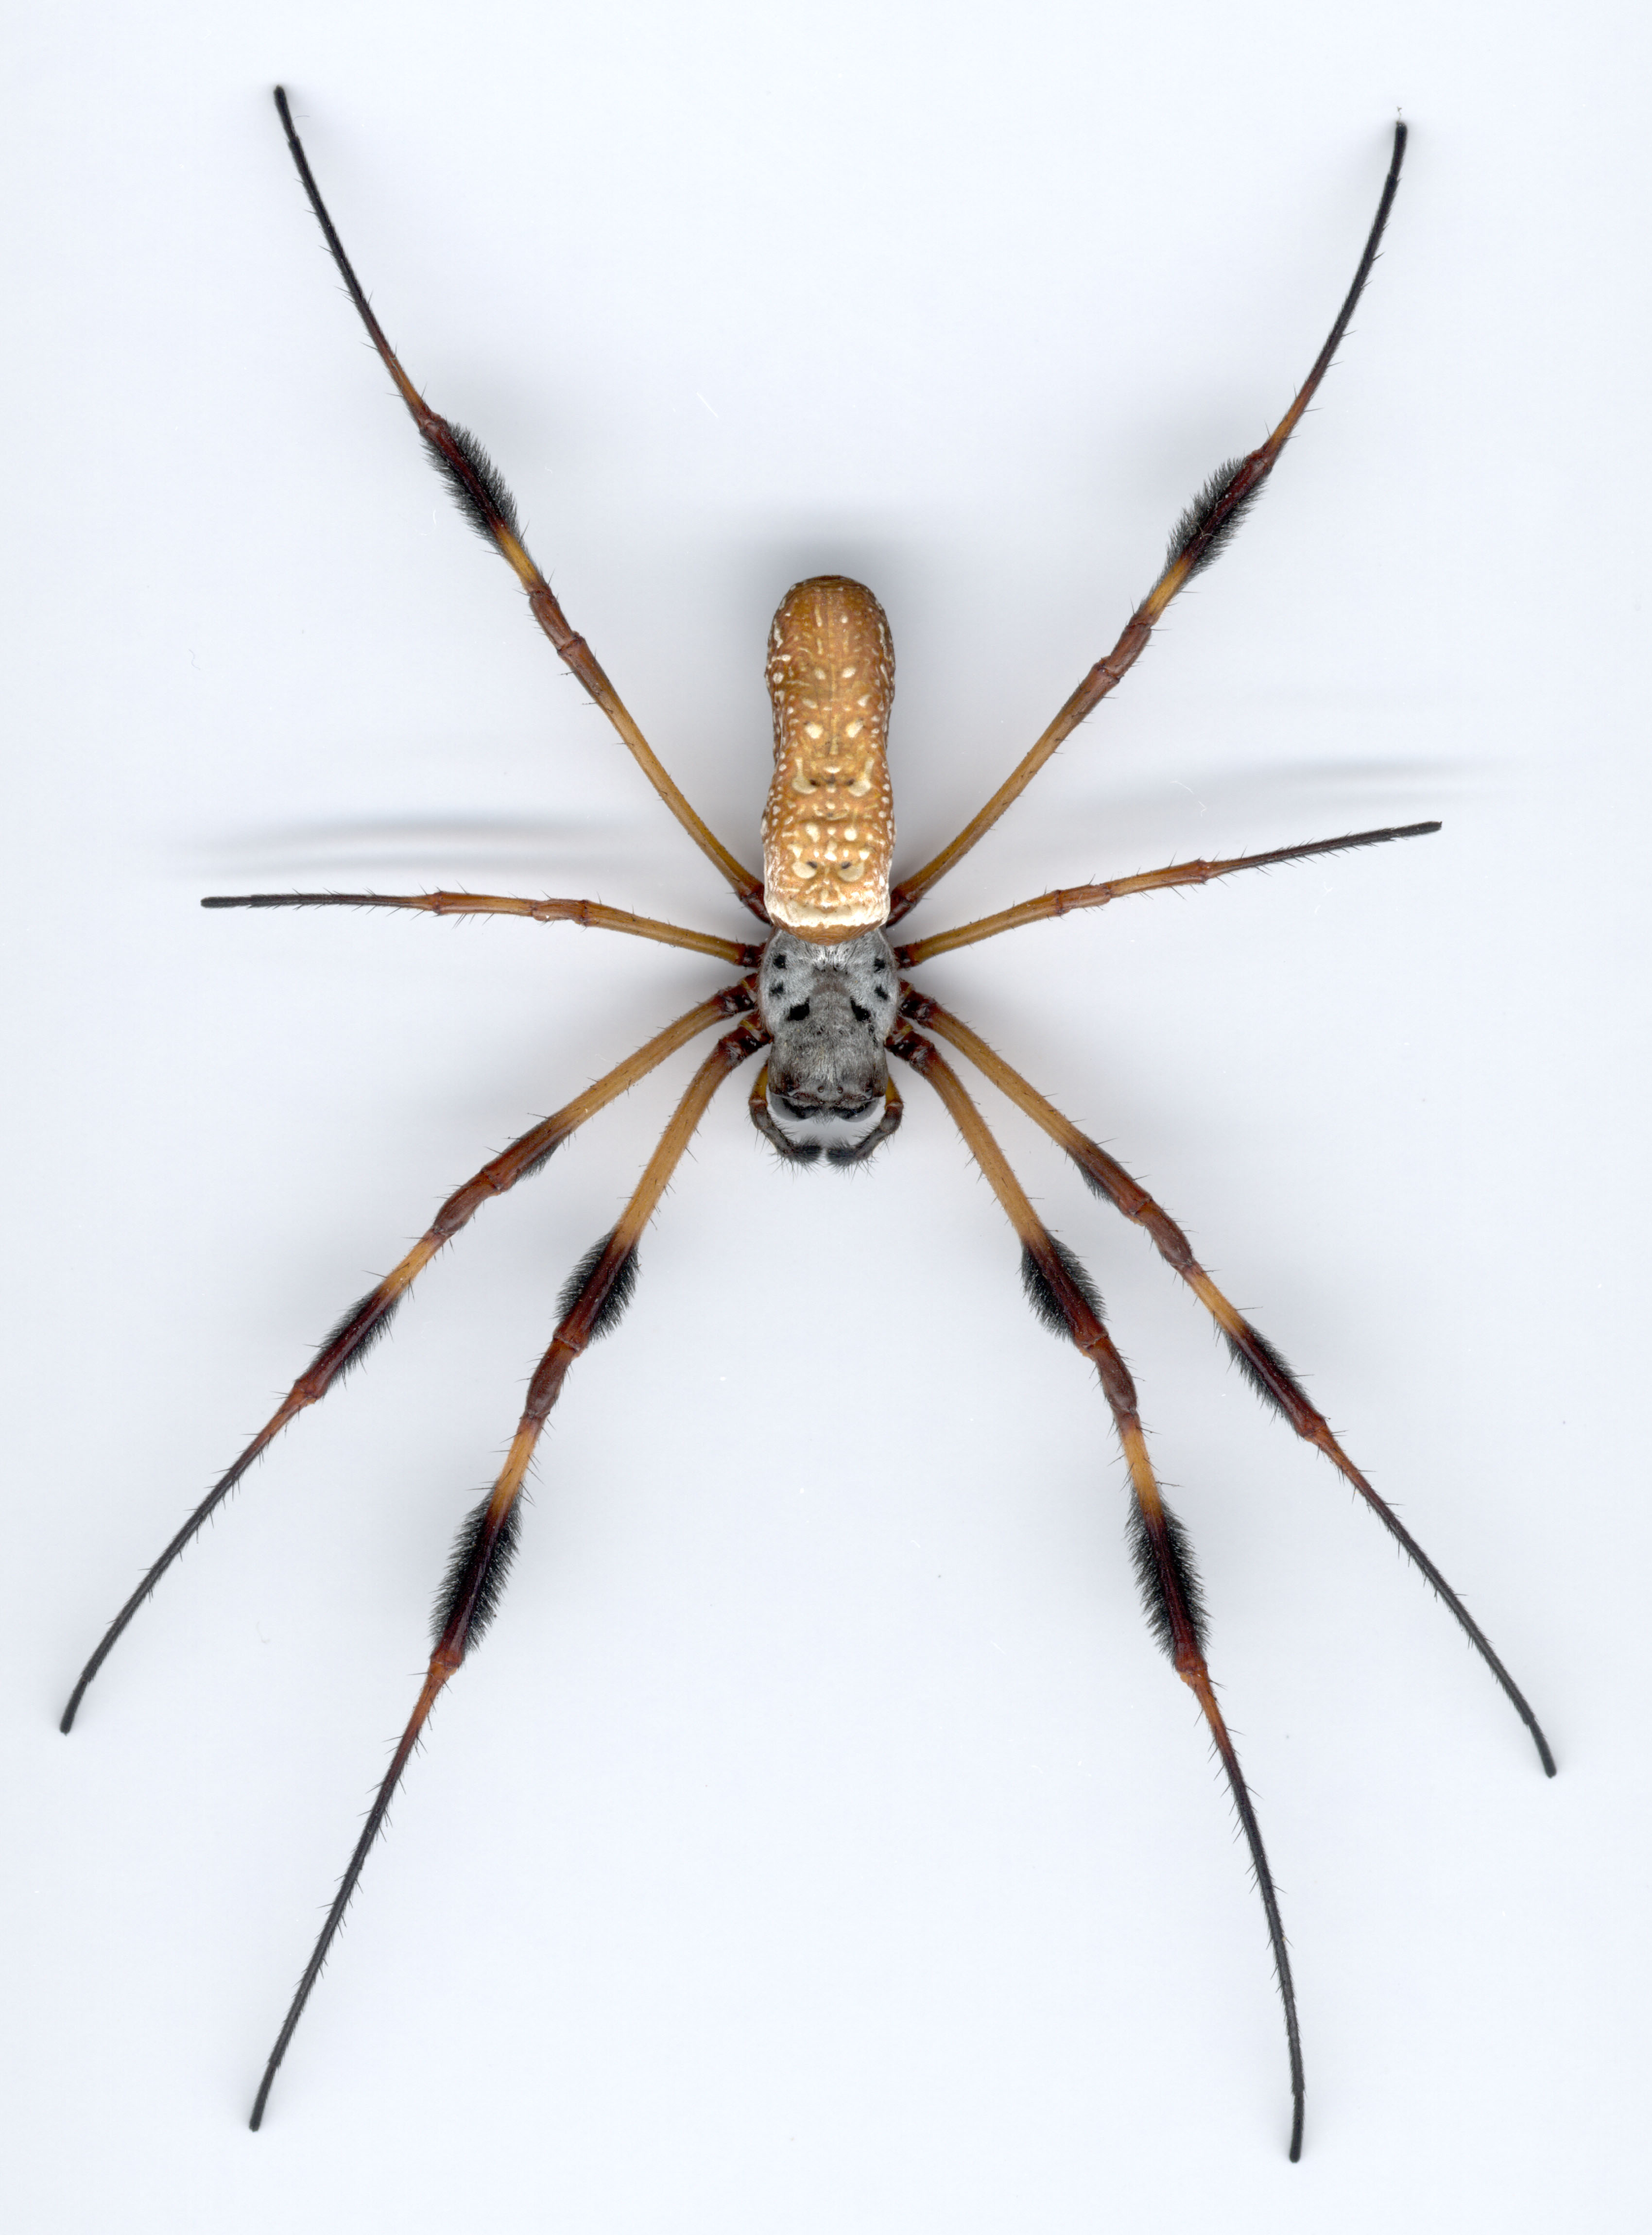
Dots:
{"x": 829, "y": 828}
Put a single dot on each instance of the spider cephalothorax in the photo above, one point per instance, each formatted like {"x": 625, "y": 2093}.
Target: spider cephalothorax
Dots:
{"x": 824, "y": 992}
{"x": 829, "y": 1013}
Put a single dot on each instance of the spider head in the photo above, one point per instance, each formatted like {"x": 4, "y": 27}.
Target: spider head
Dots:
{"x": 828, "y": 1011}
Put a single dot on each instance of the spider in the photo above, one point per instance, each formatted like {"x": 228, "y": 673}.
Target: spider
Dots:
{"x": 827, "y": 994}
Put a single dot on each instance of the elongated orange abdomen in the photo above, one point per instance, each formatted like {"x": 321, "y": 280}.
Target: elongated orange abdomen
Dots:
{"x": 829, "y": 828}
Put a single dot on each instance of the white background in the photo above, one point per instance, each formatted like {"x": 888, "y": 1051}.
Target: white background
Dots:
{"x": 819, "y": 1843}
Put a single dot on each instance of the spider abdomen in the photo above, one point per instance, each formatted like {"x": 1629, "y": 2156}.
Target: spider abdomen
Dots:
{"x": 829, "y": 828}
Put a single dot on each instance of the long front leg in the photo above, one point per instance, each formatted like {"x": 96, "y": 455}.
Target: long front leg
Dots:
{"x": 479, "y": 488}
{"x": 1255, "y": 1357}
{"x": 1071, "y": 898}
{"x": 1060, "y": 1291}
{"x": 592, "y": 1301}
{"x": 364, "y": 1322}
{"x": 590, "y": 915}
{"x": 1199, "y": 536}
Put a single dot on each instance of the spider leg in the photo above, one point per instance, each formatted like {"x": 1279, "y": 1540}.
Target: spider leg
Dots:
{"x": 1255, "y": 1357}
{"x": 1199, "y": 536}
{"x": 590, "y": 913}
{"x": 480, "y": 491}
{"x": 591, "y": 1305}
{"x": 1060, "y": 1291}
{"x": 365, "y": 1322}
{"x": 1148, "y": 881}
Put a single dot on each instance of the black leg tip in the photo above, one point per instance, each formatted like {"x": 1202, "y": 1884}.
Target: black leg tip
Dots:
{"x": 260, "y": 2102}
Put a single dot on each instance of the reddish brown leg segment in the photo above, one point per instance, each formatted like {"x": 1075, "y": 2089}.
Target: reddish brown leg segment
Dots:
{"x": 596, "y": 1295}
{"x": 1061, "y": 1293}
{"x": 1200, "y": 534}
{"x": 362, "y": 1326}
{"x": 486, "y": 503}
{"x": 1074, "y": 897}
{"x": 591, "y": 914}
{"x": 1255, "y": 1357}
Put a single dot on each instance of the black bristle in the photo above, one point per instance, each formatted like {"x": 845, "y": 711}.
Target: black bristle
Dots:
{"x": 484, "y": 1592}
{"x": 1193, "y": 529}
{"x": 1244, "y": 1358}
{"x": 1155, "y": 1602}
{"x": 794, "y": 1152}
{"x": 1041, "y": 1295}
{"x": 1097, "y": 1187}
{"x": 845, "y": 1159}
{"x": 369, "y": 1335}
{"x": 538, "y": 1163}
{"x": 481, "y": 495}
{"x": 621, "y": 1288}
